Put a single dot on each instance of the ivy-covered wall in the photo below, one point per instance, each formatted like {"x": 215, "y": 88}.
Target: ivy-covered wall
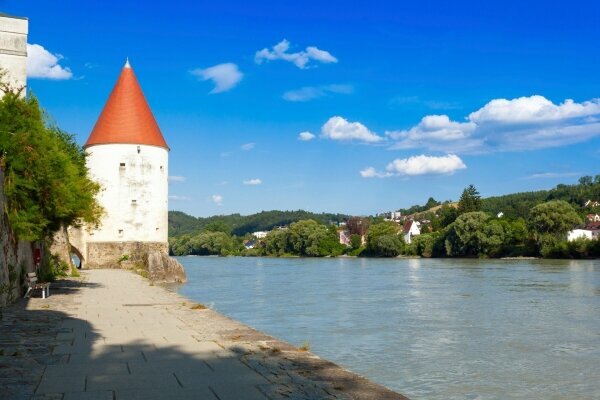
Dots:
{"x": 16, "y": 256}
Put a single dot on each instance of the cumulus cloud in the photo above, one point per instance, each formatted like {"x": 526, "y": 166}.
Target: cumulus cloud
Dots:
{"x": 217, "y": 199}
{"x": 224, "y": 76}
{"x": 305, "y": 136}
{"x": 253, "y": 182}
{"x": 506, "y": 125}
{"x": 338, "y": 128}
{"x": 175, "y": 178}
{"x": 300, "y": 58}
{"x": 248, "y": 146}
{"x": 418, "y": 165}
{"x": 314, "y": 92}
{"x": 45, "y": 65}
{"x": 179, "y": 198}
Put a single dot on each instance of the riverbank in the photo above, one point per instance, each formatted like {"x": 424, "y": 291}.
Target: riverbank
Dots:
{"x": 112, "y": 335}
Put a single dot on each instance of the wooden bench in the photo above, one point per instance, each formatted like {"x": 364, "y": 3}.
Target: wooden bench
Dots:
{"x": 31, "y": 280}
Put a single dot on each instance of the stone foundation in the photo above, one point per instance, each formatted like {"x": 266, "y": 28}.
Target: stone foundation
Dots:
{"x": 109, "y": 254}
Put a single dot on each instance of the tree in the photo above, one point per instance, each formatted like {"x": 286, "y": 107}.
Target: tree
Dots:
{"x": 431, "y": 202}
{"x": 465, "y": 235}
{"x": 470, "y": 200}
{"x": 554, "y": 218}
{"x": 358, "y": 225}
{"x": 586, "y": 180}
{"x": 383, "y": 240}
{"x": 46, "y": 181}
{"x": 446, "y": 215}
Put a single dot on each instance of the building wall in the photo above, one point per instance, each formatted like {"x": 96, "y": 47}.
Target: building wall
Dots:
{"x": 134, "y": 193}
{"x": 13, "y": 49}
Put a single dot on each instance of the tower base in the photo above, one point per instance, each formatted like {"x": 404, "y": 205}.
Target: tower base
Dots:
{"x": 114, "y": 254}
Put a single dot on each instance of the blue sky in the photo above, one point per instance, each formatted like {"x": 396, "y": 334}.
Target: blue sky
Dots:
{"x": 403, "y": 100}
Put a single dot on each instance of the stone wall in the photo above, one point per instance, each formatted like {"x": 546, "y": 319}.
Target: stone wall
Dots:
{"x": 15, "y": 255}
{"x": 108, "y": 254}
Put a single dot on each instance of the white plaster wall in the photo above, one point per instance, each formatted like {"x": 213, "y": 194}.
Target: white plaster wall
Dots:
{"x": 579, "y": 234}
{"x": 13, "y": 50}
{"x": 134, "y": 195}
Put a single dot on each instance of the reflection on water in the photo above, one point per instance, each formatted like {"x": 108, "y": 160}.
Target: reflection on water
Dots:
{"x": 431, "y": 329}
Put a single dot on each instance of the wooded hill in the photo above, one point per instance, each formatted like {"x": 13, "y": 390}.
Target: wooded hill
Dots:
{"x": 181, "y": 223}
{"x": 516, "y": 205}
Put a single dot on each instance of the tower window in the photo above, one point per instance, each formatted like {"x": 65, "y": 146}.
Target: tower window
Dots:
{"x": 120, "y": 231}
{"x": 139, "y": 149}
{"x": 134, "y": 202}
{"x": 122, "y": 165}
{"x": 161, "y": 169}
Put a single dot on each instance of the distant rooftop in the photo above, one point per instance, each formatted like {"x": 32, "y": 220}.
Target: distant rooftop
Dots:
{"x": 11, "y": 16}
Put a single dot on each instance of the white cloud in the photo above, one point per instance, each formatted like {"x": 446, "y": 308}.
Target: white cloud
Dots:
{"x": 253, "y": 182}
{"x": 217, "y": 199}
{"x": 523, "y": 123}
{"x": 179, "y": 198}
{"x": 248, "y": 146}
{"x": 300, "y": 59}
{"x": 225, "y": 76}
{"x": 338, "y": 128}
{"x": 175, "y": 178}
{"x": 305, "y": 136}
{"x": 552, "y": 175}
{"x": 534, "y": 109}
{"x": 418, "y": 165}
{"x": 45, "y": 65}
{"x": 314, "y": 92}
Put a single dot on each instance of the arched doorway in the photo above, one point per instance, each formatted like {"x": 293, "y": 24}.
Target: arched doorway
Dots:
{"x": 76, "y": 257}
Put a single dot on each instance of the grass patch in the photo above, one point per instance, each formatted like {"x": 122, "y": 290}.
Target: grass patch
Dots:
{"x": 275, "y": 350}
{"x": 198, "y": 307}
{"x": 305, "y": 347}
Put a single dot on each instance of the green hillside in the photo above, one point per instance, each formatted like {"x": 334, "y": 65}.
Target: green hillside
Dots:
{"x": 181, "y": 223}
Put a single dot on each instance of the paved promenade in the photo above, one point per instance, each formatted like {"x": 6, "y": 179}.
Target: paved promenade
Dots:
{"x": 111, "y": 335}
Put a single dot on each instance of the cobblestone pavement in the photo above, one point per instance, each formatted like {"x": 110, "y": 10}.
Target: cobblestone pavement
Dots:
{"x": 111, "y": 335}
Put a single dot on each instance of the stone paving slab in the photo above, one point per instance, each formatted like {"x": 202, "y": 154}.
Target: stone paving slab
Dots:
{"x": 111, "y": 335}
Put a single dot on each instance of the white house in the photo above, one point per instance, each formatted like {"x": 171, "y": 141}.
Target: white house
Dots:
{"x": 411, "y": 228}
{"x": 580, "y": 234}
{"x": 260, "y": 234}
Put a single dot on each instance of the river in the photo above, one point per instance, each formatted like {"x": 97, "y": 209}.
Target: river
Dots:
{"x": 427, "y": 328}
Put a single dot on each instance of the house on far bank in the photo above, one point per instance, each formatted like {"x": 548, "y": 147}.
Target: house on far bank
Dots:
{"x": 591, "y": 203}
{"x": 260, "y": 234}
{"x": 250, "y": 244}
{"x": 500, "y": 214}
{"x": 410, "y": 229}
{"x": 344, "y": 238}
{"x": 592, "y": 218}
{"x": 589, "y": 234}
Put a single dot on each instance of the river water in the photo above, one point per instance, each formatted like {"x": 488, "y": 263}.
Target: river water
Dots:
{"x": 430, "y": 329}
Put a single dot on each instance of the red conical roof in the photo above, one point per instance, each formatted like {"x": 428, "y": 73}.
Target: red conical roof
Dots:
{"x": 126, "y": 117}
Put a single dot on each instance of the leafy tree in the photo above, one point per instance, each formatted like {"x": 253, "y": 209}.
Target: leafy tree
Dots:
{"x": 384, "y": 240}
{"x": 470, "y": 200}
{"x": 46, "y": 181}
{"x": 466, "y": 236}
{"x": 554, "y": 218}
{"x": 447, "y": 214}
{"x": 586, "y": 180}
{"x": 355, "y": 241}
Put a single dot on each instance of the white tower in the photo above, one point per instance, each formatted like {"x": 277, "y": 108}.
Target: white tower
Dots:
{"x": 13, "y": 50}
{"x": 128, "y": 156}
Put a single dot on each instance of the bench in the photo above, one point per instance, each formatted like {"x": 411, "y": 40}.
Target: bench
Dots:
{"x": 31, "y": 280}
